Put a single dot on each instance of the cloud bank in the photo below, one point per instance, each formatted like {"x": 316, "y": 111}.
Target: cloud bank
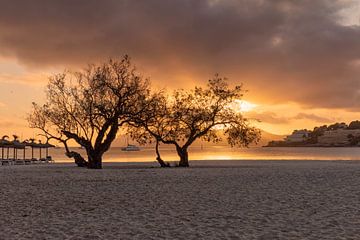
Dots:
{"x": 297, "y": 51}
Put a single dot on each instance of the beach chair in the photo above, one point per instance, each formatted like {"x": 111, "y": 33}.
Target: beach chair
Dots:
{"x": 27, "y": 161}
{"x": 49, "y": 159}
{"x": 43, "y": 160}
{"x": 6, "y": 162}
{"x": 18, "y": 161}
{"x": 34, "y": 160}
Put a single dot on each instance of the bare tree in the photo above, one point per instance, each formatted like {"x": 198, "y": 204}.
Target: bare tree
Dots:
{"x": 186, "y": 116}
{"x": 89, "y": 107}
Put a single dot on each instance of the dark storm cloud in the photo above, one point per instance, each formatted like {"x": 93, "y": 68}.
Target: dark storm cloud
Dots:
{"x": 282, "y": 50}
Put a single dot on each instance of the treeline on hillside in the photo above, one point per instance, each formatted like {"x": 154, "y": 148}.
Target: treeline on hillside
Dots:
{"x": 319, "y": 131}
{"x": 312, "y": 135}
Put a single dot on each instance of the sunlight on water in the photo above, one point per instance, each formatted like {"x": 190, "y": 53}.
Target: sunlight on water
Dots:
{"x": 224, "y": 153}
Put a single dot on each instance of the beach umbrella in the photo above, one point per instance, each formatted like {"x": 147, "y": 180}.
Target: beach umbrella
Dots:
{"x": 13, "y": 145}
{"x": 46, "y": 146}
{"x": 39, "y": 146}
{"x": 16, "y": 145}
{"x": 33, "y": 146}
{"x": 19, "y": 145}
{"x": 4, "y": 144}
{"x": 2, "y": 149}
{"x": 31, "y": 143}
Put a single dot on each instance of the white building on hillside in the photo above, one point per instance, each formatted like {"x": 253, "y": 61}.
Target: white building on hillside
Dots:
{"x": 297, "y": 136}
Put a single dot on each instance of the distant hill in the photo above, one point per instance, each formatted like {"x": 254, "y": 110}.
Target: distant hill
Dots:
{"x": 338, "y": 134}
{"x": 267, "y": 137}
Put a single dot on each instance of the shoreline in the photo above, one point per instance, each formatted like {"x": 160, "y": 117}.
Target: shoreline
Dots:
{"x": 196, "y": 162}
{"x": 215, "y": 160}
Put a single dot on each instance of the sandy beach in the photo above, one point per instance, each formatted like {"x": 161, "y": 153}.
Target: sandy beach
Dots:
{"x": 210, "y": 200}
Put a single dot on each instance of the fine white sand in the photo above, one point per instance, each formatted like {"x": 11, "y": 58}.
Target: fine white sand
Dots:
{"x": 210, "y": 200}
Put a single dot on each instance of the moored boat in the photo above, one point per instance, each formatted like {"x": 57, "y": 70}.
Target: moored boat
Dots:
{"x": 130, "y": 148}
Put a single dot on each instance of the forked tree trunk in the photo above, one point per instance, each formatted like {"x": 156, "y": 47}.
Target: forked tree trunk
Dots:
{"x": 158, "y": 157}
{"x": 184, "y": 157}
{"x": 79, "y": 160}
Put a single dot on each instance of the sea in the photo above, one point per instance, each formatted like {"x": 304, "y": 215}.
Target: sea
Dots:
{"x": 168, "y": 153}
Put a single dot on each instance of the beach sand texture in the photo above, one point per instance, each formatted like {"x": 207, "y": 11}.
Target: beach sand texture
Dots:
{"x": 211, "y": 200}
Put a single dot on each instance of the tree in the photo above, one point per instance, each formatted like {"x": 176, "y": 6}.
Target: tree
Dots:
{"x": 354, "y": 125}
{"x": 185, "y": 116}
{"x": 89, "y": 107}
{"x": 337, "y": 126}
{"x": 316, "y": 133}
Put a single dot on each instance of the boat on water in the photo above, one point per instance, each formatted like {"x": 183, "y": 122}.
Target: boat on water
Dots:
{"x": 130, "y": 148}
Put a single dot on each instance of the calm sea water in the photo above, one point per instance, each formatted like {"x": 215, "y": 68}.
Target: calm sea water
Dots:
{"x": 223, "y": 153}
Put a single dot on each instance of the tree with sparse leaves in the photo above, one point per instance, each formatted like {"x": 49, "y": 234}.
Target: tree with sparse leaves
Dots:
{"x": 89, "y": 106}
{"x": 185, "y": 116}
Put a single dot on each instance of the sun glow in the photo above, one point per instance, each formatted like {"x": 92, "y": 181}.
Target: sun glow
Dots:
{"x": 243, "y": 106}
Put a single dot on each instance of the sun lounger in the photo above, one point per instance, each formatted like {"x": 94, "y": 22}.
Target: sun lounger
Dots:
{"x": 27, "y": 161}
{"x": 49, "y": 159}
{"x": 6, "y": 162}
{"x": 19, "y": 161}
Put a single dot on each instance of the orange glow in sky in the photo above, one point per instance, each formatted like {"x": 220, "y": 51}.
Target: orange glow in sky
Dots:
{"x": 298, "y": 60}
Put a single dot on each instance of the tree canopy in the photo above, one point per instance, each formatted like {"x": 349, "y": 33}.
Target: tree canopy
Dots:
{"x": 90, "y": 106}
{"x": 185, "y": 116}
{"x": 354, "y": 125}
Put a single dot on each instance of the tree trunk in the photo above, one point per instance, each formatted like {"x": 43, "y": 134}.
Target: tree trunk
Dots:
{"x": 158, "y": 157}
{"x": 184, "y": 156}
{"x": 95, "y": 161}
{"x": 79, "y": 160}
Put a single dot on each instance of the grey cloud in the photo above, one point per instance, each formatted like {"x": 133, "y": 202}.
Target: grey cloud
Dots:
{"x": 273, "y": 118}
{"x": 313, "y": 117}
{"x": 268, "y": 117}
{"x": 282, "y": 50}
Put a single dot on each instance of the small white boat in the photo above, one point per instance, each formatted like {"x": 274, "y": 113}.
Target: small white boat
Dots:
{"x": 130, "y": 148}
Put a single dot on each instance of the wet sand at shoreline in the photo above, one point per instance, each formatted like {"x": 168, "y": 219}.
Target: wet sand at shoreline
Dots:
{"x": 210, "y": 200}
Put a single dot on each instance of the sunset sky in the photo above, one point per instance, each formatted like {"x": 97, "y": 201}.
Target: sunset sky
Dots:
{"x": 299, "y": 60}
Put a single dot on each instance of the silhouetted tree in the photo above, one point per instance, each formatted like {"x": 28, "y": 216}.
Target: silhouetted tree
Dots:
{"x": 354, "y": 125}
{"x": 186, "y": 116}
{"x": 337, "y": 126}
{"x": 89, "y": 107}
{"x": 316, "y": 133}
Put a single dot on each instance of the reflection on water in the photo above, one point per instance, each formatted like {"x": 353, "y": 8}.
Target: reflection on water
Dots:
{"x": 224, "y": 153}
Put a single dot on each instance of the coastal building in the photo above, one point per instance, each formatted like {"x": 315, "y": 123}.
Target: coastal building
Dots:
{"x": 343, "y": 126}
{"x": 338, "y": 137}
{"x": 298, "y": 136}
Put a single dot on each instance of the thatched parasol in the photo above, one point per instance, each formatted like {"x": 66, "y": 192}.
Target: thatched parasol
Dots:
{"x": 4, "y": 144}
